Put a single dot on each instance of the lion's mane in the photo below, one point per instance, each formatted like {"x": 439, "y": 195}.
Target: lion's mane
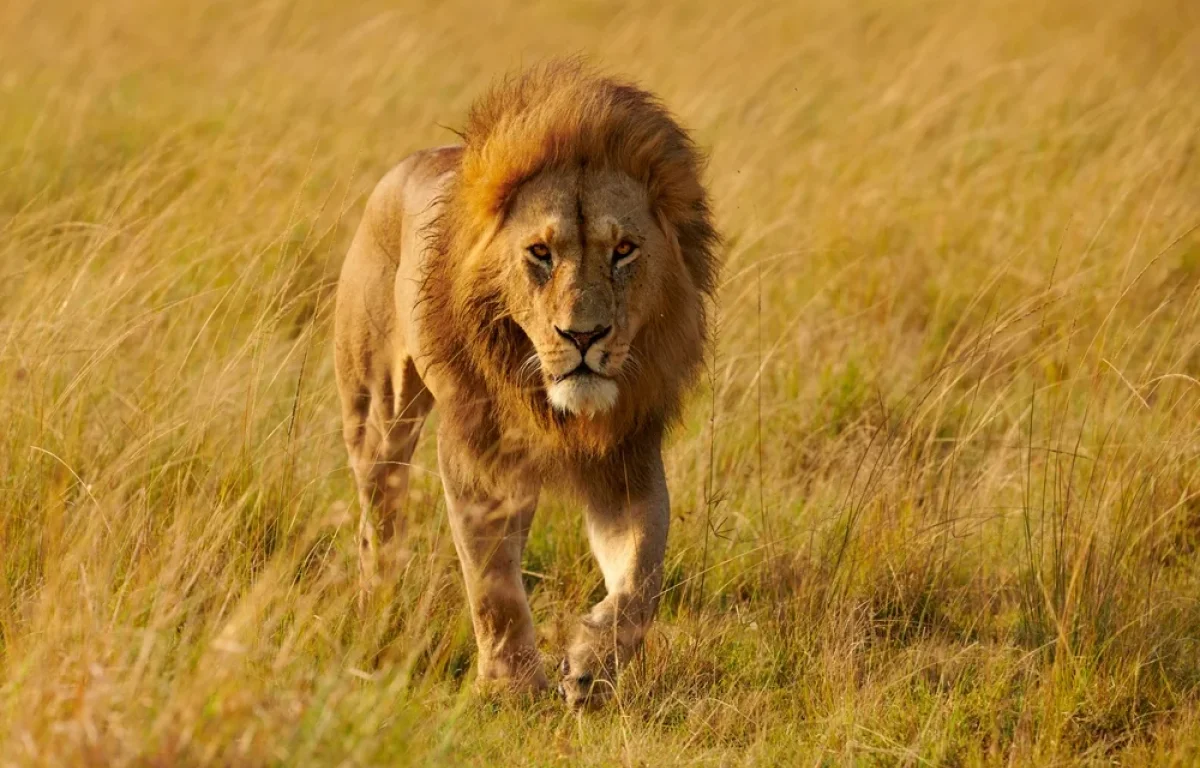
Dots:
{"x": 563, "y": 114}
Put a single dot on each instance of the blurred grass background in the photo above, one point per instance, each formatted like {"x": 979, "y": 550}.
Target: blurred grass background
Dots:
{"x": 937, "y": 500}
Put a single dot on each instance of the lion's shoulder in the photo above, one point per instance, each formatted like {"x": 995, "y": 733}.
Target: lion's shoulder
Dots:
{"x": 411, "y": 185}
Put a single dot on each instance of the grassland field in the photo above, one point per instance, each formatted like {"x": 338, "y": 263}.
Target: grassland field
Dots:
{"x": 936, "y": 500}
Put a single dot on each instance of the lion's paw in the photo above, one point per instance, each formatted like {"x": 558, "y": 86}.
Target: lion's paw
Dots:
{"x": 586, "y": 680}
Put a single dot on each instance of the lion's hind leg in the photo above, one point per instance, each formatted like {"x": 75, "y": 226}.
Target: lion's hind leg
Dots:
{"x": 381, "y": 426}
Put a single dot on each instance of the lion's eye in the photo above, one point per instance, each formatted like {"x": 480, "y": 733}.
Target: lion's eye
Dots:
{"x": 540, "y": 252}
{"x": 623, "y": 250}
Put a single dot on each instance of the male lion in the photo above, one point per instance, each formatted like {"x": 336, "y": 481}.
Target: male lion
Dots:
{"x": 545, "y": 283}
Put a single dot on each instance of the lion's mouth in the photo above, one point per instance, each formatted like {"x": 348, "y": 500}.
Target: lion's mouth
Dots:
{"x": 582, "y": 391}
{"x": 583, "y": 370}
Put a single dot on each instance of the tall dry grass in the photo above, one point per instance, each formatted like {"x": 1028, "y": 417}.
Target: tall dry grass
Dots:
{"x": 936, "y": 501}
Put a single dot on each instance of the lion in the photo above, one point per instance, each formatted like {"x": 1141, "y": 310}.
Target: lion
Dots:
{"x": 546, "y": 283}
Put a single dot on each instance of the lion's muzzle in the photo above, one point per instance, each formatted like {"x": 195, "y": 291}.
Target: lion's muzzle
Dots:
{"x": 583, "y": 388}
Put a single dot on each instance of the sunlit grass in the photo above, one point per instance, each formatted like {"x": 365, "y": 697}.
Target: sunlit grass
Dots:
{"x": 936, "y": 499}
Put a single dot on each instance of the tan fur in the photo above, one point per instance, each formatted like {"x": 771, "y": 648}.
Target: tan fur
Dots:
{"x": 568, "y": 366}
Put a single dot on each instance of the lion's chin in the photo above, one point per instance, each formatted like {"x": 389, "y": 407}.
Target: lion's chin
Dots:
{"x": 584, "y": 394}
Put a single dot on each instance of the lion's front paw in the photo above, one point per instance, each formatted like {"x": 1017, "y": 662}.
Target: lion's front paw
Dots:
{"x": 587, "y": 679}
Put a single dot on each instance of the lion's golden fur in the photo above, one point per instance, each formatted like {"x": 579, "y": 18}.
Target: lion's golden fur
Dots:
{"x": 562, "y": 114}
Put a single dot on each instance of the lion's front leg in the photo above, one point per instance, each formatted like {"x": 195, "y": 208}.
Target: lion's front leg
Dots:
{"x": 490, "y": 525}
{"x": 627, "y": 518}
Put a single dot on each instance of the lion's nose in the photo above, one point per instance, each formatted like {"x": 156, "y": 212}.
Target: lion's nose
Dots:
{"x": 584, "y": 339}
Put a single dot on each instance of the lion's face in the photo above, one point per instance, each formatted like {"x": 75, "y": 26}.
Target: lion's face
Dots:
{"x": 584, "y": 265}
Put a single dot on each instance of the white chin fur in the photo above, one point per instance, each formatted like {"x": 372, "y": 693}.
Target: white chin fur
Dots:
{"x": 583, "y": 394}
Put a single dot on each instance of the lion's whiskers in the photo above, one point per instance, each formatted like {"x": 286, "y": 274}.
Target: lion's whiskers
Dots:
{"x": 530, "y": 367}
{"x": 630, "y": 368}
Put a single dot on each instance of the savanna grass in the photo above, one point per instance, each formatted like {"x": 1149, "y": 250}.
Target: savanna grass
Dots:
{"x": 937, "y": 499}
